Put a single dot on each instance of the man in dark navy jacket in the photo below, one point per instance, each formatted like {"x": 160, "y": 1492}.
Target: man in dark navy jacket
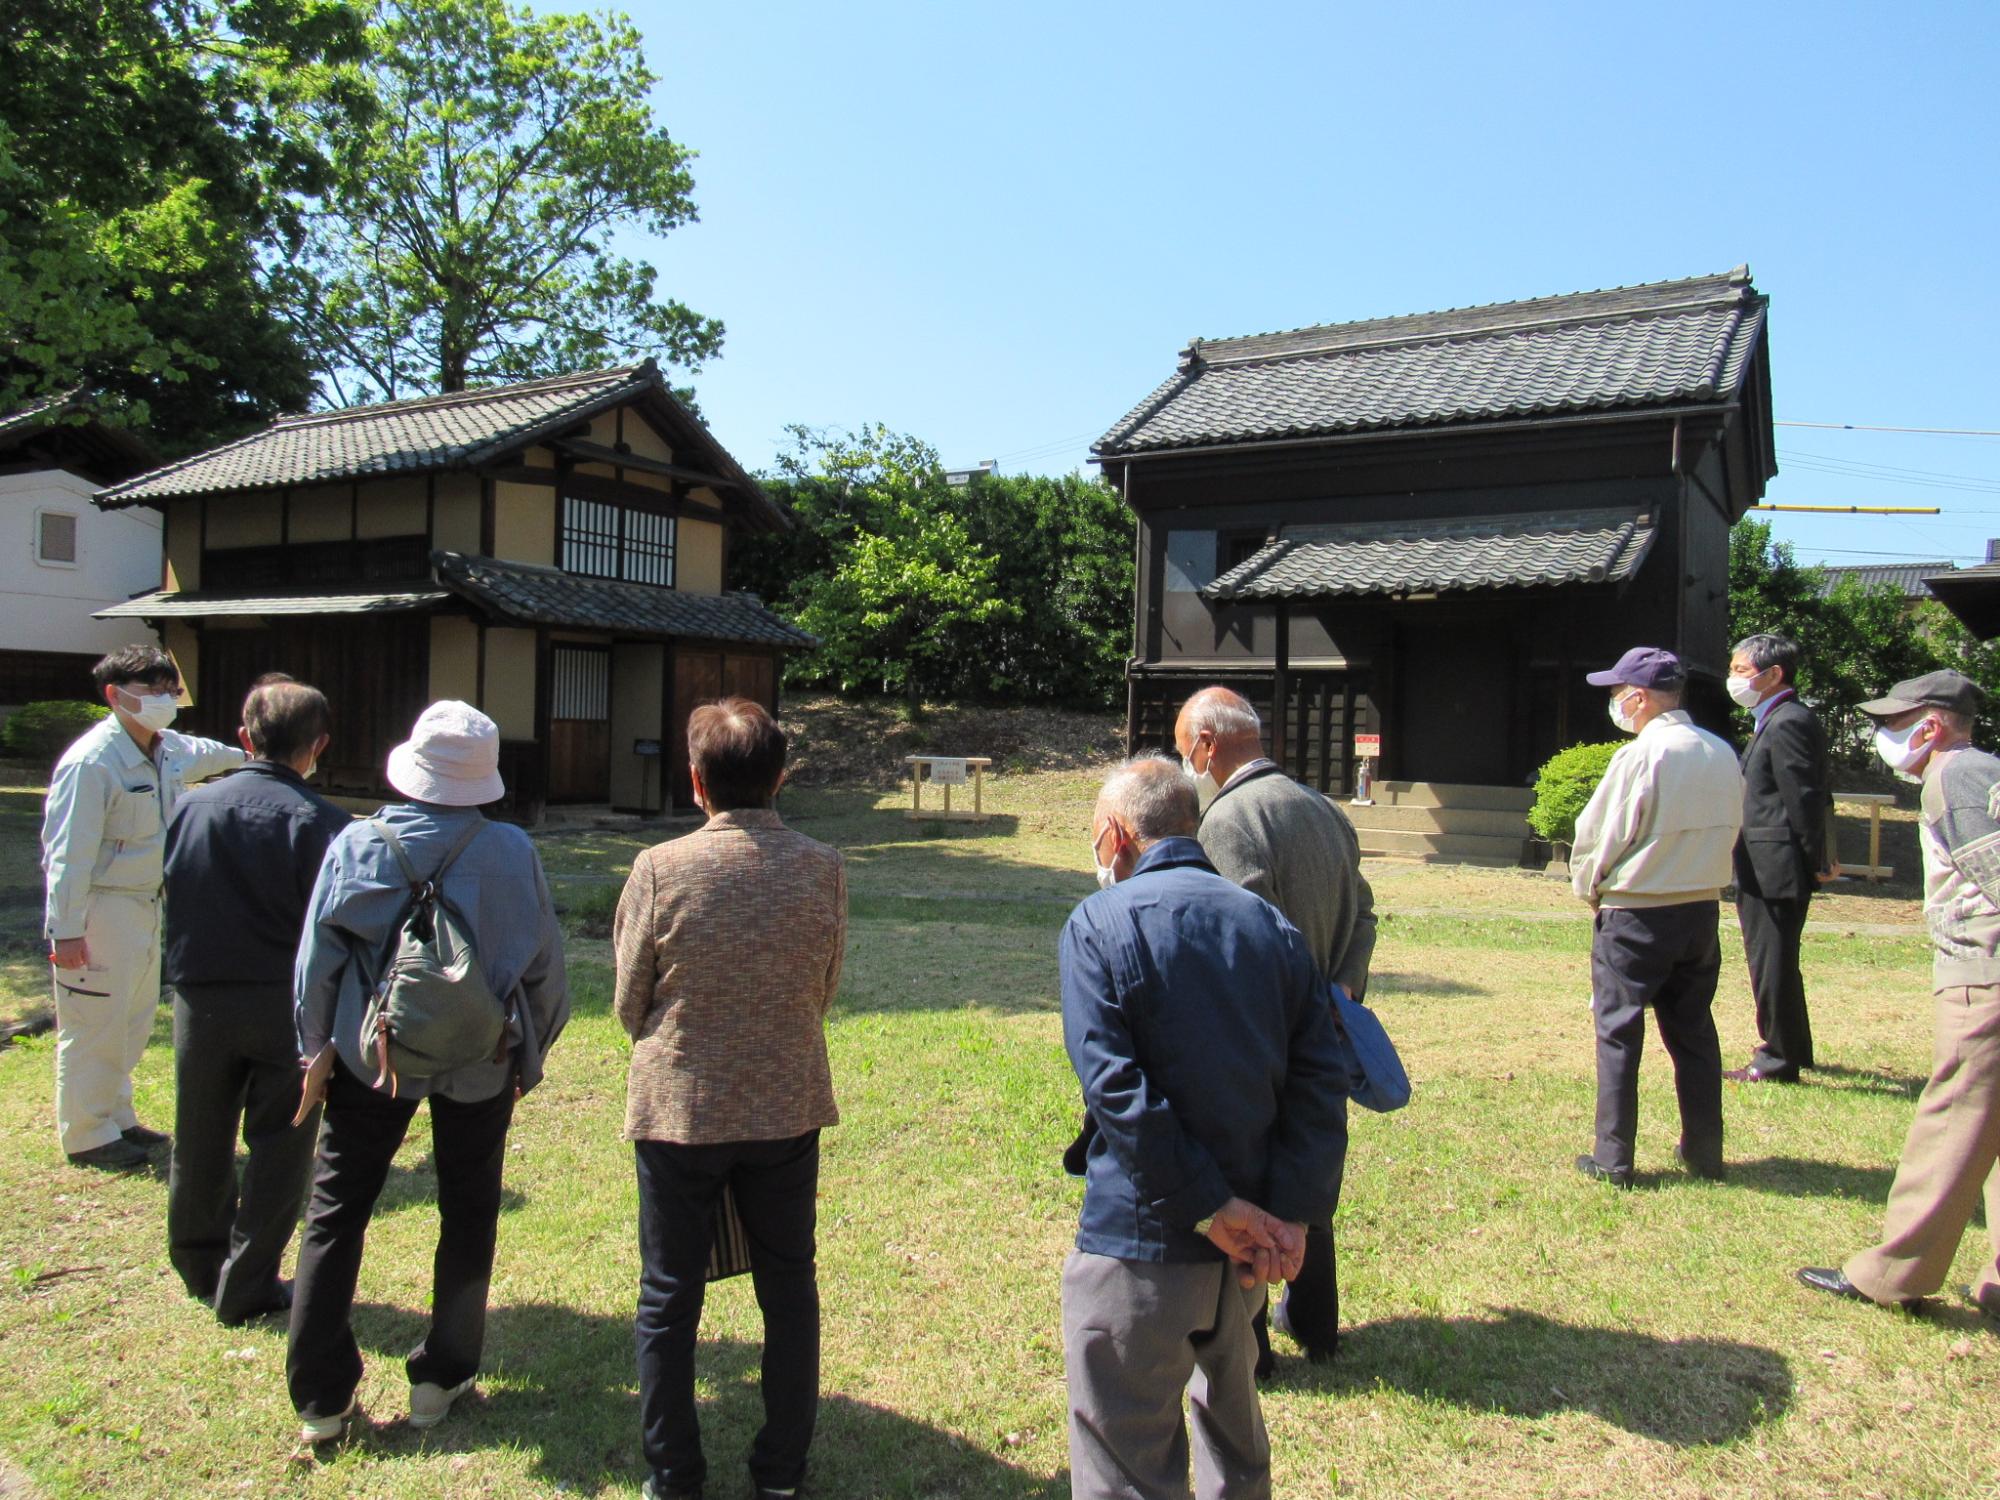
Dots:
{"x": 1198, "y": 1025}
{"x": 1780, "y": 851}
{"x": 242, "y": 856}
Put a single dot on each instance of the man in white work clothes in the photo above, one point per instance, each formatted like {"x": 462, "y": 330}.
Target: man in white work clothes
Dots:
{"x": 103, "y": 841}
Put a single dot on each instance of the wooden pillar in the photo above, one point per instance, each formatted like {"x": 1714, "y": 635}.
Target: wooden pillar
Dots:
{"x": 1281, "y": 685}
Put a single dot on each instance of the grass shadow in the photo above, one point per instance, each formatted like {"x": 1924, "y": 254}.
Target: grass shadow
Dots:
{"x": 1870, "y": 1080}
{"x": 1421, "y": 984}
{"x": 564, "y": 1390}
{"x": 1685, "y": 1392}
{"x": 1794, "y": 1177}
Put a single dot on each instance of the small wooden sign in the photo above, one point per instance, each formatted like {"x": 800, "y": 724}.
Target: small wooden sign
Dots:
{"x": 1368, "y": 746}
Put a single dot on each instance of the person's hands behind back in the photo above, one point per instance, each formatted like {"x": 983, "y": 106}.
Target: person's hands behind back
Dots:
{"x": 1264, "y": 1247}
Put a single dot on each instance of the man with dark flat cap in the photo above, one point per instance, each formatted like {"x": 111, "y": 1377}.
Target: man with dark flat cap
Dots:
{"x": 1923, "y": 730}
{"x": 1652, "y": 854}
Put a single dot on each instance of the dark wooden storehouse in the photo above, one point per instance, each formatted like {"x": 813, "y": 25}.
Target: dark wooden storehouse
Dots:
{"x": 554, "y": 552}
{"x": 1430, "y": 527}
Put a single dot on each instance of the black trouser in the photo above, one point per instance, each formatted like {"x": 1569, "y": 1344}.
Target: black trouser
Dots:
{"x": 775, "y": 1185}
{"x": 236, "y": 1059}
{"x": 362, "y": 1131}
{"x": 1311, "y": 1301}
{"x": 1771, "y": 934}
{"x": 1666, "y": 958}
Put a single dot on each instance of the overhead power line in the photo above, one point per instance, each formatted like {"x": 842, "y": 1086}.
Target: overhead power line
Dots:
{"x": 1870, "y": 427}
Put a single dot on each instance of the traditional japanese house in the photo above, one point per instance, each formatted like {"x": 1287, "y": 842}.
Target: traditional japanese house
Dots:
{"x": 555, "y": 552}
{"x": 1428, "y": 528}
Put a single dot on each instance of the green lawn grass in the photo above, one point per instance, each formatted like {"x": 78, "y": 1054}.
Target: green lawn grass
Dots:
{"x": 1512, "y": 1329}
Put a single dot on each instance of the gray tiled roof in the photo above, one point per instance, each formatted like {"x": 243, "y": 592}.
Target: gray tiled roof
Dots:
{"x": 398, "y": 437}
{"x": 1908, "y": 577}
{"x": 196, "y": 605}
{"x": 547, "y": 596}
{"x": 462, "y": 430}
{"x": 1669, "y": 342}
{"x": 1486, "y": 552}
{"x": 36, "y": 412}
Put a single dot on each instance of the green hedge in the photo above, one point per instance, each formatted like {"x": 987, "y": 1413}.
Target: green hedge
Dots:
{"x": 40, "y": 732}
{"x": 1564, "y": 785}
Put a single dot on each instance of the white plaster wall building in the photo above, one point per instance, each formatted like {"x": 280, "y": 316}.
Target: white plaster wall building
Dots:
{"x": 62, "y": 559}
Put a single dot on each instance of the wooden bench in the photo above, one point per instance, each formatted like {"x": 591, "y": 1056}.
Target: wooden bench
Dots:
{"x": 954, "y": 767}
{"x": 1875, "y": 870}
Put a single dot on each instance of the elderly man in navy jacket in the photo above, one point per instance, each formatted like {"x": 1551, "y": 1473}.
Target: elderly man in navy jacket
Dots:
{"x": 242, "y": 855}
{"x": 1198, "y": 1025}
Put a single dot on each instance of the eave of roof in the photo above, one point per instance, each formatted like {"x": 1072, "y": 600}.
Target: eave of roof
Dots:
{"x": 1660, "y": 346}
{"x": 196, "y": 605}
{"x": 1972, "y": 594}
{"x": 1477, "y": 554}
{"x": 532, "y": 595}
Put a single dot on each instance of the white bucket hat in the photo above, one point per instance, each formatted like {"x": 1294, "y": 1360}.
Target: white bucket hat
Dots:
{"x": 452, "y": 758}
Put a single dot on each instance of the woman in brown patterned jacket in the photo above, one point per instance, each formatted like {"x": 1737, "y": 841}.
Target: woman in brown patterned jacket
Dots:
{"x": 729, "y": 944}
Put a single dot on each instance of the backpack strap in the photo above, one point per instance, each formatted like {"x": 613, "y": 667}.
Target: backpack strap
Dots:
{"x": 416, "y": 881}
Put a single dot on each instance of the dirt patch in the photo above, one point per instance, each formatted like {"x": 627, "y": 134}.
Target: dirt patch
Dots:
{"x": 861, "y": 744}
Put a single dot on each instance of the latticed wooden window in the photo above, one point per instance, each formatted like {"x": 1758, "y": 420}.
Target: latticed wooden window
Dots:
{"x": 601, "y": 540}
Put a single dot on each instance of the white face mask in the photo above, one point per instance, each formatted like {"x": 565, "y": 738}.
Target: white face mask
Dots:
{"x": 1107, "y": 875}
{"x": 1893, "y": 745}
{"x": 155, "y": 711}
{"x": 1619, "y": 717}
{"x": 1742, "y": 691}
{"x": 1206, "y": 787}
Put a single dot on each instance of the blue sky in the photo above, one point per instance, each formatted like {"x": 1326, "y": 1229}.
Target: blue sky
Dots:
{"x": 994, "y": 226}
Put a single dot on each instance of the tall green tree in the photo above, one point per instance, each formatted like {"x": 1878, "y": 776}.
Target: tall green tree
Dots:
{"x": 468, "y": 236}
{"x": 1056, "y": 552}
{"x": 150, "y": 152}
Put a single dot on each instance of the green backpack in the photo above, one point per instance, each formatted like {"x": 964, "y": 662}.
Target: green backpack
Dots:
{"x": 432, "y": 1010}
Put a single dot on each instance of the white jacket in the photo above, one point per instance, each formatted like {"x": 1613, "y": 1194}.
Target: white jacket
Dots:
{"x": 1660, "y": 828}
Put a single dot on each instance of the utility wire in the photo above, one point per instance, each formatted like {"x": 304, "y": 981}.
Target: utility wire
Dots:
{"x": 1868, "y": 427}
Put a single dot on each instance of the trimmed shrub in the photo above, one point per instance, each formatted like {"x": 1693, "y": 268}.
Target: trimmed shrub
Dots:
{"x": 40, "y": 732}
{"x": 1564, "y": 785}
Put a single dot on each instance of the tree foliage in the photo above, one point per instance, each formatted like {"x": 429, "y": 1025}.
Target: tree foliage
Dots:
{"x": 468, "y": 236}
{"x": 150, "y": 151}
{"x": 1008, "y": 589}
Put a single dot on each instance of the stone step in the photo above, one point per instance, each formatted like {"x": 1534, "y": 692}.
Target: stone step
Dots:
{"x": 1414, "y": 818}
{"x": 1453, "y": 794}
{"x": 1467, "y": 847}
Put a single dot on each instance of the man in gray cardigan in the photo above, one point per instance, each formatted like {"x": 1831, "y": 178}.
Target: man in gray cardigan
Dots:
{"x": 1290, "y": 845}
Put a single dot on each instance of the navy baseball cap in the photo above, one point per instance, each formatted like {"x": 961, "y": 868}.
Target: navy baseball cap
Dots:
{"x": 1643, "y": 667}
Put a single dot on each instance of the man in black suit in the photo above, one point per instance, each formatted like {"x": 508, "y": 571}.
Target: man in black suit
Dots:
{"x": 1780, "y": 851}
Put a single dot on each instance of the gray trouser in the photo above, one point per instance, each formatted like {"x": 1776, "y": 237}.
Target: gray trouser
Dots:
{"x": 1135, "y": 1334}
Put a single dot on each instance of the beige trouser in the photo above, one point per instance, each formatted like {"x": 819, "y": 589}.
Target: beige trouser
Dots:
{"x": 104, "y": 1017}
{"x": 1953, "y": 1145}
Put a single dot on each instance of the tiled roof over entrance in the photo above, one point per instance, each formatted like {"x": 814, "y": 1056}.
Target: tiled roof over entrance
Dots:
{"x": 1487, "y": 552}
{"x": 1667, "y": 343}
{"x": 547, "y": 596}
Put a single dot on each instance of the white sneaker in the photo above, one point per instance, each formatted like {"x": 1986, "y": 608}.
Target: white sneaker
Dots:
{"x": 316, "y": 1430}
{"x": 430, "y": 1403}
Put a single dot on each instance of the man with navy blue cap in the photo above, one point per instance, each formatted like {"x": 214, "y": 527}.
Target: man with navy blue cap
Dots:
{"x": 1652, "y": 853}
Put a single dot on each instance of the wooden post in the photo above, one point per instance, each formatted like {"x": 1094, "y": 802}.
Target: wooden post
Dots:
{"x": 978, "y": 790}
{"x": 1874, "y": 842}
{"x": 1281, "y": 750}
{"x": 916, "y": 787}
